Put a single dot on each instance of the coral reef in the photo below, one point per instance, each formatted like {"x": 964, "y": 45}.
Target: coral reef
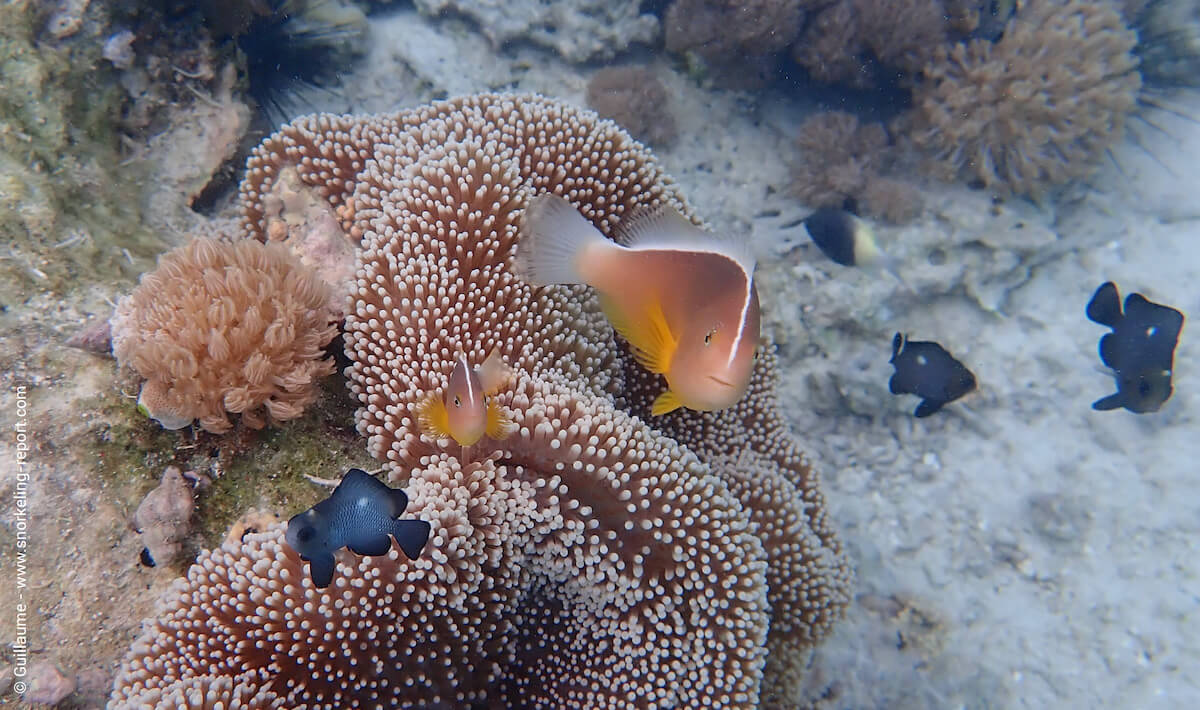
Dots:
{"x": 840, "y": 164}
{"x": 579, "y": 30}
{"x": 589, "y": 558}
{"x": 739, "y": 40}
{"x": 63, "y": 193}
{"x": 224, "y": 328}
{"x": 836, "y": 155}
{"x": 635, "y": 98}
{"x": 861, "y": 42}
{"x": 1037, "y": 107}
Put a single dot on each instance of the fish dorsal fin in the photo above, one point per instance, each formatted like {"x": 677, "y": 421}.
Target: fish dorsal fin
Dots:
{"x": 1105, "y": 306}
{"x": 663, "y": 227}
{"x": 494, "y": 373}
{"x": 664, "y": 403}
{"x": 649, "y": 337}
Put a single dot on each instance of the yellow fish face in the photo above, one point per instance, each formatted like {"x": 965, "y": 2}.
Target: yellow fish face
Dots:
{"x": 715, "y": 356}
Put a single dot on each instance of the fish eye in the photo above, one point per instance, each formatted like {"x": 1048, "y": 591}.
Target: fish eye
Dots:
{"x": 457, "y": 401}
{"x": 306, "y": 533}
{"x": 709, "y": 336}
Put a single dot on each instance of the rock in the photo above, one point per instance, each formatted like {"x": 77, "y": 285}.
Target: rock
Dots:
{"x": 46, "y": 684}
{"x": 164, "y": 517}
{"x": 95, "y": 337}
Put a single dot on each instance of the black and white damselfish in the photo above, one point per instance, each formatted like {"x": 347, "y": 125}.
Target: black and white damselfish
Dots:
{"x": 1140, "y": 350}
{"x": 927, "y": 370}
{"x": 362, "y": 514}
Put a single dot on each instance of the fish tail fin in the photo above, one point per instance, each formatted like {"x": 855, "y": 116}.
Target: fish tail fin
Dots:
{"x": 866, "y": 249}
{"x": 664, "y": 403}
{"x": 553, "y": 233}
{"x": 494, "y": 373}
{"x": 498, "y": 426}
{"x": 1105, "y": 306}
{"x": 649, "y": 337}
{"x": 411, "y": 536}
{"x": 433, "y": 418}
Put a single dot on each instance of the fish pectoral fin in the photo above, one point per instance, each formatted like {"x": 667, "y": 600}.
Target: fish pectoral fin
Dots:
{"x": 498, "y": 426}
{"x": 411, "y": 536}
{"x": 649, "y": 338}
{"x": 320, "y": 568}
{"x": 372, "y": 545}
{"x": 1112, "y": 401}
{"x": 433, "y": 418}
{"x": 666, "y": 402}
{"x": 927, "y": 407}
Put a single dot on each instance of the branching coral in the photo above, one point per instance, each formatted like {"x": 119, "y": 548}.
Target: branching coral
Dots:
{"x": 635, "y": 98}
{"x": 1037, "y": 107}
{"x": 734, "y": 35}
{"x": 836, "y": 156}
{"x": 854, "y": 41}
{"x": 222, "y": 328}
{"x": 588, "y": 560}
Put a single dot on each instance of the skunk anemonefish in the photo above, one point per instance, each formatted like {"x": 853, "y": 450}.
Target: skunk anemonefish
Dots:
{"x": 683, "y": 298}
{"x": 466, "y": 412}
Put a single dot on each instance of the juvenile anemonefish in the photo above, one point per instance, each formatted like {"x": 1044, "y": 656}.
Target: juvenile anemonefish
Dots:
{"x": 683, "y": 298}
{"x": 466, "y": 412}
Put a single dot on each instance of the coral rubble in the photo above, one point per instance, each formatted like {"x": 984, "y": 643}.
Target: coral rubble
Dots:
{"x": 635, "y": 98}
{"x": 579, "y": 30}
{"x": 587, "y": 560}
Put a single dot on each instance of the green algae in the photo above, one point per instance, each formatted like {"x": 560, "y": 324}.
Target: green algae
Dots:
{"x": 68, "y": 207}
{"x": 270, "y": 474}
{"x": 247, "y": 469}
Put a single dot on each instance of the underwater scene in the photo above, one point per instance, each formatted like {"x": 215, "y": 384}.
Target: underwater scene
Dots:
{"x": 599, "y": 354}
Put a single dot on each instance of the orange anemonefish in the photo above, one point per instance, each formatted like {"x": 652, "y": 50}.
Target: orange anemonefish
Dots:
{"x": 683, "y": 298}
{"x": 466, "y": 412}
